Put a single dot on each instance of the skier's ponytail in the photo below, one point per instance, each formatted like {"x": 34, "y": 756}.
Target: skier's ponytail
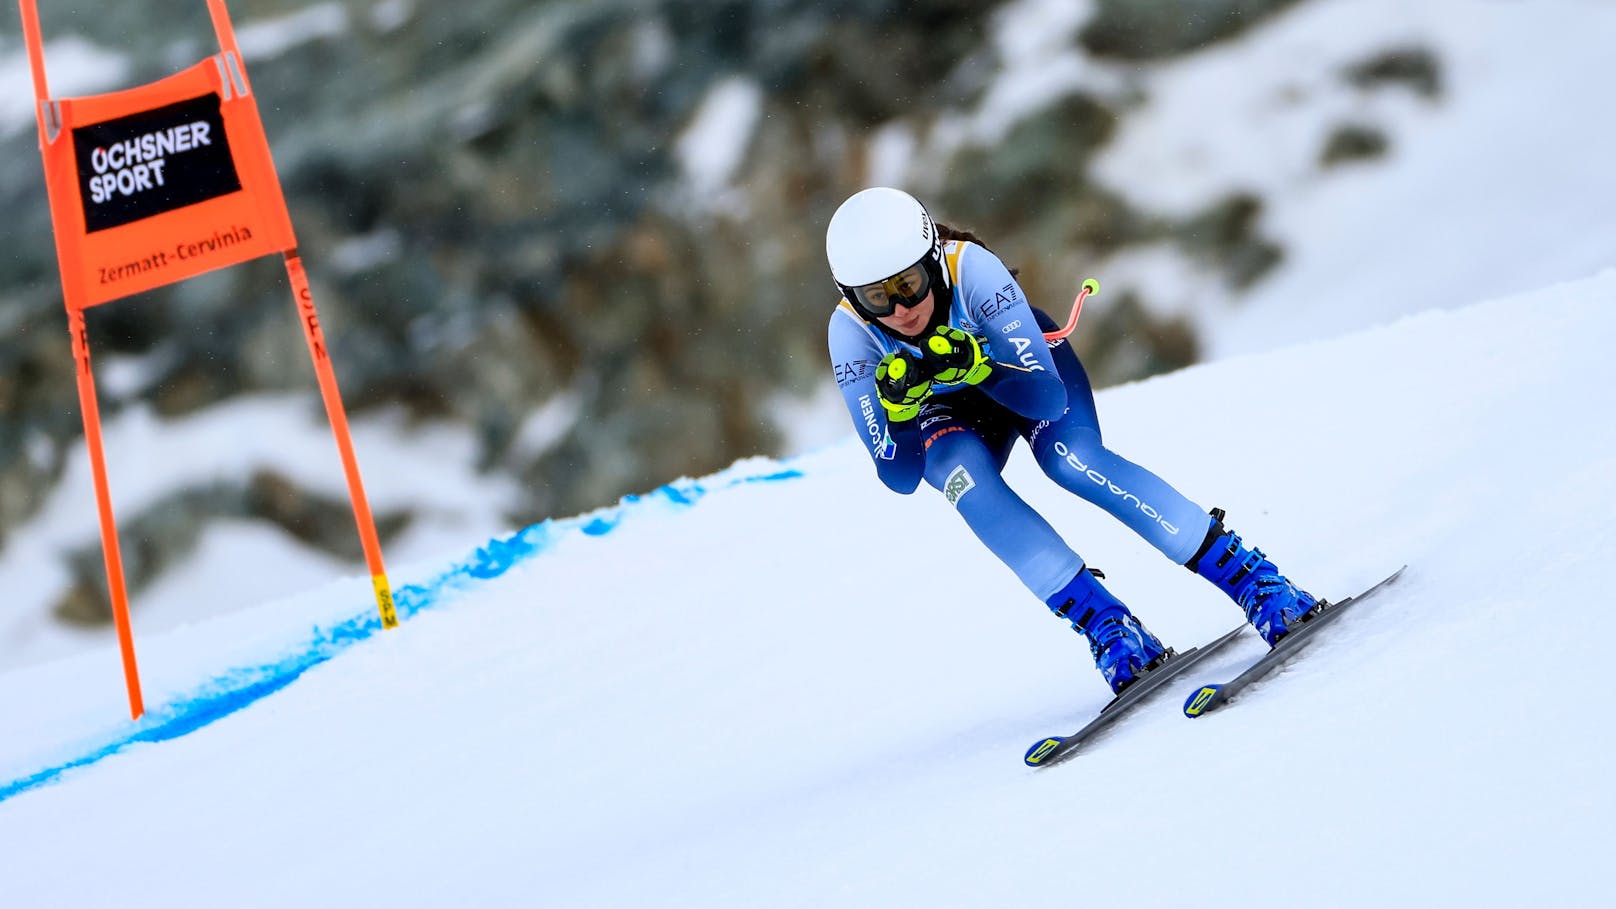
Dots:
{"x": 949, "y": 233}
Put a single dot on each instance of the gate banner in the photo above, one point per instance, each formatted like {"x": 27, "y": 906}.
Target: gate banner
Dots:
{"x": 159, "y": 183}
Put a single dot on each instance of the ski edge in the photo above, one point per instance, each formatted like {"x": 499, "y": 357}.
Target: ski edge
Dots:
{"x": 1052, "y": 750}
{"x": 1211, "y": 696}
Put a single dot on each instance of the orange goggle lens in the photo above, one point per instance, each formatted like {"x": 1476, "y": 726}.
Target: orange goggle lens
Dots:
{"x": 907, "y": 287}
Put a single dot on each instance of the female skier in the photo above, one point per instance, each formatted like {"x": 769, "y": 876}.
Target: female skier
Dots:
{"x": 943, "y": 364}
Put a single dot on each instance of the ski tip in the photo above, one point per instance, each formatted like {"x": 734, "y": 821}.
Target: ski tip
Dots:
{"x": 1040, "y": 752}
{"x": 1201, "y": 700}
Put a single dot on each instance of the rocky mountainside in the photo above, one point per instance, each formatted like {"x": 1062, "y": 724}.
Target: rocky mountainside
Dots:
{"x": 511, "y": 207}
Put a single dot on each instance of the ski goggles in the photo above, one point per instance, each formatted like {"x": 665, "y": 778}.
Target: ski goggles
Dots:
{"x": 907, "y": 287}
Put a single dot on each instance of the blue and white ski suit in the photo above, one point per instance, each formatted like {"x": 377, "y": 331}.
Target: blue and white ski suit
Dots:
{"x": 962, "y": 438}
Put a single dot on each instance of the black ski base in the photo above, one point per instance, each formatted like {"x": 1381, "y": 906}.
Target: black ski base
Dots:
{"x": 1210, "y": 697}
{"x": 1055, "y": 749}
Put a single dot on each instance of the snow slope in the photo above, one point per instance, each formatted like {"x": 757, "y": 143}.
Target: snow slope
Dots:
{"x": 785, "y": 686}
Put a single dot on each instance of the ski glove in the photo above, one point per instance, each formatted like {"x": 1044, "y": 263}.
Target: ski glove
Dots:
{"x": 953, "y": 356}
{"x": 903, "y": 385}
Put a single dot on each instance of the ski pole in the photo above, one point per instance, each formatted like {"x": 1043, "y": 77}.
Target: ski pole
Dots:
{"x": 1090, "y": 286}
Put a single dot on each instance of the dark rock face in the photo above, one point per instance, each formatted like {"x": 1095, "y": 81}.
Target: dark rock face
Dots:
{"x": 1413, "y": 67}
{"x": 1352, "y": 142}
{"x": 494, "y": 211}
{"x": 1153, "y": 29}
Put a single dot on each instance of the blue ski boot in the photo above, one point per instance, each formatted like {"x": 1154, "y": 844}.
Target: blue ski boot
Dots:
{"x": 1123, "y": 650}
{"x": 1271, "y": 602}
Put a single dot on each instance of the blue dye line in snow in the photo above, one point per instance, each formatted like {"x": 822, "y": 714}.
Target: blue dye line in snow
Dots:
{"x": 239, "y": 688}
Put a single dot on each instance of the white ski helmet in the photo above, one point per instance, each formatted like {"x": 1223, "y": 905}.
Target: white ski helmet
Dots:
{"x": 884, "y": 250}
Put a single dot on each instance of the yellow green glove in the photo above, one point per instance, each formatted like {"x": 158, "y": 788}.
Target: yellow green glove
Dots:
{"x": 953, "y": 356}
{"x": 903, "y": 386}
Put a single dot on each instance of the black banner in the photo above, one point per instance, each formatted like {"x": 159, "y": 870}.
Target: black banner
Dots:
{"x": 153, "y": 162}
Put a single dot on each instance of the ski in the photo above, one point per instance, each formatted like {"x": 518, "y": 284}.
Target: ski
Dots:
{"x": 1057, "y": 748}
{"x": 1208, "y": 698}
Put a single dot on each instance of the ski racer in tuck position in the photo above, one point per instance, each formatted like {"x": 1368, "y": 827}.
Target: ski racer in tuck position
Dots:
{"x": 943, "y": 365}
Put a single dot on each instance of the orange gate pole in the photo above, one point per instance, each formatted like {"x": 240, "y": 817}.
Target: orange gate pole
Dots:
{"x": 334, "y": 411}
{"x": 110, "y": 552}
{"x": 89, "y": 409}
{"x": 339, "y": 429}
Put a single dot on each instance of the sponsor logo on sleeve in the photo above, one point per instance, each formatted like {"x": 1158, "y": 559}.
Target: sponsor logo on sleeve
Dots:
{"x": 886, "y": 449}
{"x": 851, "y": 371}
{"x": 1003, "y": 299}
{"x": 881, "y": 444}
{"x": 1024, "y": 353}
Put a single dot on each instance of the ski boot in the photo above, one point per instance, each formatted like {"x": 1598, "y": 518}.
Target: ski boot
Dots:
{"x": 1123, "y": 649}
{"x": 1273, "y": 605}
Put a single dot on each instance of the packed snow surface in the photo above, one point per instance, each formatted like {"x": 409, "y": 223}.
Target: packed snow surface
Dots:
{"x": 784, "y": 685}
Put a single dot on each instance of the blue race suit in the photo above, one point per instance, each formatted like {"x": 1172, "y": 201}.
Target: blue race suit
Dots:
{"x": 962, "y": 438}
